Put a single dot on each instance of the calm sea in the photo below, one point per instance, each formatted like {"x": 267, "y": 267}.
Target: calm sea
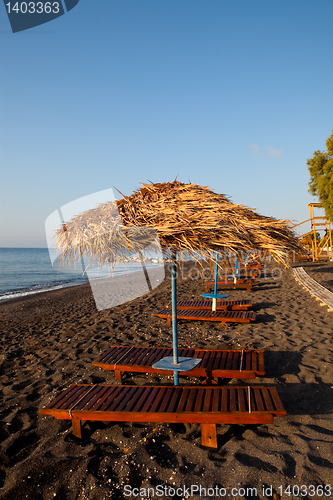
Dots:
{"x": 25, "y": 271}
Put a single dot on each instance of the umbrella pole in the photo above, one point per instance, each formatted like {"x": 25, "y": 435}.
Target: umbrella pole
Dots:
{"x": 174, "y": 316}
{"x": 236, "y": 270}
{"x": 215, "y": 286}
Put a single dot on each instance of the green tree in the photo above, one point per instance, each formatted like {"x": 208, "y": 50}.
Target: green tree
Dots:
{"x": 321, "y": 176}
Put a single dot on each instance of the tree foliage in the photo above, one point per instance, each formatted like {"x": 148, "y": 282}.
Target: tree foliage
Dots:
{"x": 321, "y": 176}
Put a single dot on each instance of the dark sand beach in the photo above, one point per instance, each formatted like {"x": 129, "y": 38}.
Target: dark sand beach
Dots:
{"x": 50, "y": 340}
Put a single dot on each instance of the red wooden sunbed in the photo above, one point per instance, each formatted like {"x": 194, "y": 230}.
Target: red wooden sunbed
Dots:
{"x": 206, "y": 406}
{"x": 227, "y": 284}
{"x": 219, "y": 363}
{"x": 221, "y": 305}
{"x": 219, "y": 316}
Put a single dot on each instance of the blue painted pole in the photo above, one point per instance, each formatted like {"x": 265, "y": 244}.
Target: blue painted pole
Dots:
{"x": 216, "y": 276}
{"x": 174, "y": 316}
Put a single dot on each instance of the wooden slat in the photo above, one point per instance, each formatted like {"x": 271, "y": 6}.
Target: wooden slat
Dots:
{"x": 236, "y": 361}
{"x": 125, "y": 355}
{"x": 191, "y": 400}
{"x": 143, "y": 358}
{"x": 215, "y": 362}
{"x": 224, "y": 400}
{"x": 207, "y": 400}
{"x": 150, "y": 399}
{"x": 125, "y": 399}
{"x": 177, "y": 391}
{"x": 135, "y": 403}
{"x": 233, "y": 400}
{"x": 216, "y": 399}
{"x": 166, "y": 399}
{"x": 182, "y": 401}
{"x": 137, "y": 355}
{"x": 254, "y": 361}
{"x": 206, "y": 359}
{"x": 258, "y": 399}
{"x": 230, "y": 357}
{"x": 109, "y": 404}
{"x": 107, "y": 354}
{"x": 268, "y": 402}
{"x": 199, "y": 401}
{"x": 261, "y": 362}
{"x": 98, "y": 402}
{"x": 62, "y": 396}
{"x": 241, "y": 400}
{"x": 145, "y": 394}
{"x": 248, "y": 362}
{"x": 159, "y": 397}
{"x": 86, "y": 398}
{"x": 276, "y": 399}
{"x": 70, "y": 399}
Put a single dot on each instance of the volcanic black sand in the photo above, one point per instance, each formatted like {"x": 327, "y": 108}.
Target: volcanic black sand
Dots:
{"x": 50, "y": 340}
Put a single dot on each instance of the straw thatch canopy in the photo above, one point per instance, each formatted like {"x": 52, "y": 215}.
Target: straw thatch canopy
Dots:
{"x": 187, "y": 217}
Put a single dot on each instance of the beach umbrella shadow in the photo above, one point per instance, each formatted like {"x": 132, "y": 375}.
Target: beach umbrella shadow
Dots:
{"x": 280, "y": 363}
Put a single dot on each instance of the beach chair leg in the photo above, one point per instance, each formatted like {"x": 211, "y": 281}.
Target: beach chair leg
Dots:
{"x": 209, "y": 379}
{"x": 169, "y": 321}
{"x": 117, "y": 375}
{"x": 76, "y": 424}
{"x": 208, "y": 435}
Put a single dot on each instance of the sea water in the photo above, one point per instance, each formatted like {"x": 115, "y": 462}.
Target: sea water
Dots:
{"x": 26, "y": 271}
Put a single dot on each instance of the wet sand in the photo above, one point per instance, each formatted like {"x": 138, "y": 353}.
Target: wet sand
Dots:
{"x": 49, "y": 341}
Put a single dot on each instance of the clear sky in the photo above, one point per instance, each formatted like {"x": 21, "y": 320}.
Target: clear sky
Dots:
{"x": 235, "y": 95}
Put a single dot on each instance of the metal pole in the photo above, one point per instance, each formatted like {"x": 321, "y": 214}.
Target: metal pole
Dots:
{"x": 174, "y": 315}
{"x": 214, "y": 302}
{"x": 236, "y": 270}
{"x": 216, "y": 275}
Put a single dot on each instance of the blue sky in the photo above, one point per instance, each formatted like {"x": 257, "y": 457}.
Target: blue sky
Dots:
{"x": 235, "y": 95}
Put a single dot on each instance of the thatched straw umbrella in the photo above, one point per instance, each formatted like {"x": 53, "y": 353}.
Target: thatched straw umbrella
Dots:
{"x": 189, "y": 219}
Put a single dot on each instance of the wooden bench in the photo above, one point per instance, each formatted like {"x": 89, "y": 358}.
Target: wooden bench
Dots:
{"x": 220, "y": 316}
{"x": 170, "y": 404}
{"x": 242, "y": 283}
{"x": 219, "y": 363}
{"x": 221, "y": 305}
{"x": 316, "y": 290}
{"x": 254, "y": 265}
{"x": 243, "y": 273}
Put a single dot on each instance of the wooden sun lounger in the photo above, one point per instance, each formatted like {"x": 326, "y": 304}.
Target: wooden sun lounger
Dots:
{"x": 242, "y": 283}
{"x": 220, "y": 363}
{"x": 242, "y": 274}
{"x": 221, "y": 305}
{"x": 200, "y": 405}
{"x": 253, "y": 265}
{"x": 220, "y": 316}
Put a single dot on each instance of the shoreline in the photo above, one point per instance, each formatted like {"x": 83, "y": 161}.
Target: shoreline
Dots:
{"x": 50, "y": 340}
